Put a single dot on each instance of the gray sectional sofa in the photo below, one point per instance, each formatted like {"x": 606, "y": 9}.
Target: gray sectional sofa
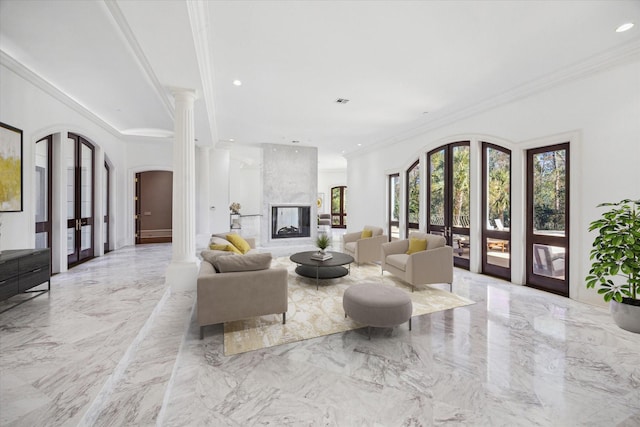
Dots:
{"x": 234, "y": 287}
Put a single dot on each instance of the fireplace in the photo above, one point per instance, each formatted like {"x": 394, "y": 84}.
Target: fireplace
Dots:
{"x": 290, "y": 222}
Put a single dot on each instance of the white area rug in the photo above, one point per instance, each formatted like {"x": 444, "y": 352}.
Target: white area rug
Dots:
{"x": 313, "y": 313}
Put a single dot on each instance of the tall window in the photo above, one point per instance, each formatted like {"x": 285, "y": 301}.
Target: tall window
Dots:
{"x": 548, "y": 218}
{"x": 413, "y": 197}
{"x": 338, "y": 207}
{"x": 394, "y": 206}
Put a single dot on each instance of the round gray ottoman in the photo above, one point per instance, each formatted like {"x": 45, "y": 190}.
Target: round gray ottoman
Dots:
{"x": 377, "y": 305}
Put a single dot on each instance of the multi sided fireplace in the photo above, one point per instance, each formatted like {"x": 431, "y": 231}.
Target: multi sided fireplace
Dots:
{"x": 290, "y": 222}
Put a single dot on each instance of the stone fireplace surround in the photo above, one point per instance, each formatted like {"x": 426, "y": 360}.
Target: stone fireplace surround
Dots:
{"x": 289, "y": 179}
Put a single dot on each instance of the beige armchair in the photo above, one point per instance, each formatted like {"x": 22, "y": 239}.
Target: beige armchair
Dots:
{"x": 433, "y": 265}
{"x": 367, "y": 249}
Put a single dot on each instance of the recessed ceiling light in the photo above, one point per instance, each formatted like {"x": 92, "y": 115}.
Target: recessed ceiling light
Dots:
{"x": 237, "y": 82}
{"x": 624, "y": 27}
{"x": 231, "y": 140}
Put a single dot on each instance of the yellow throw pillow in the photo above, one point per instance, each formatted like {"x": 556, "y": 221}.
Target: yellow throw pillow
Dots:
{"x": 416, "y": 245}
{"x": 237, "y": 241}
{"x": 366, "y": 234}
{"x": 228, "y": 248}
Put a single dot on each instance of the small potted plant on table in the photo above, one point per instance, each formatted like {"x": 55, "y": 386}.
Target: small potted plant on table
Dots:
{"x": 615, "y": 259}
{"x": 323, "y": 241}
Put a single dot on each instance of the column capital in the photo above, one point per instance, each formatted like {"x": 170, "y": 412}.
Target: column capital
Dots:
{"x": 184, "y": 94}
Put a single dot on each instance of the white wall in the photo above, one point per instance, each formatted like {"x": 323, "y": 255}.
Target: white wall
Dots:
{"x": 25, "y": 105}
{"x": 219, "y": 187}
{"x": 598, "y": 113}
{"x": 141, "y": 156}
{"x": 328, "y": 179}
{"x": 38, "y": 114}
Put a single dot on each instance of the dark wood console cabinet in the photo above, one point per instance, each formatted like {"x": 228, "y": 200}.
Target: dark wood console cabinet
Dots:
{"x": 22, "y": 269}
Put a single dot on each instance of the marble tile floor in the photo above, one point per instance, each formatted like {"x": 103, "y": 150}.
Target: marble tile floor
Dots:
{"x": 111, "y": 345}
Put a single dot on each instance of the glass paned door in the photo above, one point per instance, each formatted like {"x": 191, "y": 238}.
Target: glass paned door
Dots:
{"x": 105, "y": 206}
{"x": 496, "y": 214}
{"x": 548, "y": 218}
{"x": 43, "y": 192}
{"x": 413, "y": 197}
{"x": 449, "y": 197}
{"x": 394, "y": 206}
{"x": 80, "y": 190}
{"x": 338, "y": 207}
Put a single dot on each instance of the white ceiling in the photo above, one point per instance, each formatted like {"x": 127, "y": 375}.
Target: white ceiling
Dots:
{"x": 405, "y": 66}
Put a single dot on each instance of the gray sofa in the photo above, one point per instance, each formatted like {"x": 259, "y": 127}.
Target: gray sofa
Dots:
{"x": 244, "y": 286}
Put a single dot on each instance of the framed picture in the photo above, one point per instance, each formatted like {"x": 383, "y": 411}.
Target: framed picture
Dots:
{"x": 10, "y": 169}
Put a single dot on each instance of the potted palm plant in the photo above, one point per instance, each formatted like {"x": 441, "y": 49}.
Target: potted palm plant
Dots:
{"x": 615, "y": 257}
{"x": 323, "y": 241}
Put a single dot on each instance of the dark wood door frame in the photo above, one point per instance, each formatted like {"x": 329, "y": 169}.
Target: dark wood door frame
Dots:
{"x": 79, "y": 255}
{"x": 408, "y": 224}
{"x": 549, "y": 284}
{"x": 447, "y": 229}
{"x": 502, "y": 235}
{"x": 392, "y": 222}
{"x": 341, "y": 215}
{"x": 45, "y": 226}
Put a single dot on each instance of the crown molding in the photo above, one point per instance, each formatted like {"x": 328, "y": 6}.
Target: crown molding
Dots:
{"x": 625, "y": 53}
{"x": 125, "y": 29}
{"x": 198, "y": 11}
{"x": 33, "y": 78}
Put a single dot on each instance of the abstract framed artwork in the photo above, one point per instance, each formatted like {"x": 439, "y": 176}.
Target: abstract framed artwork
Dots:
{"x": 10, "y": 169}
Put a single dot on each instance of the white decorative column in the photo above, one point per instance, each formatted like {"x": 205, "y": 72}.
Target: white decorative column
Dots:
{"x": 183, "y": 270}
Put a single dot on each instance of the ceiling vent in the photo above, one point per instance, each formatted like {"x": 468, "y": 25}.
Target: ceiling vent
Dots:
{"x": 342, "y": 100}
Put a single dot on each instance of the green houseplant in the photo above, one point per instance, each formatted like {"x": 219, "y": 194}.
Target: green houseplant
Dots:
{"x": 323, "y": 241}
{"x": 615, "y": 257}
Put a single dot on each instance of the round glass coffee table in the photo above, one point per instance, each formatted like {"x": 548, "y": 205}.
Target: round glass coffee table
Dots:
{"x": 328, "y": 269}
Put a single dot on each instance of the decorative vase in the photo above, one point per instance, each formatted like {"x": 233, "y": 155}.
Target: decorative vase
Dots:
{"x": 626, "y": 314}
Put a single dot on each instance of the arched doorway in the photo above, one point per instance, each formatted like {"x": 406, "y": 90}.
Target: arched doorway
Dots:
{"x": 448, "y": 202}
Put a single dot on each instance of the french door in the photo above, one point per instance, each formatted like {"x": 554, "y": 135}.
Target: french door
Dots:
{"x": 496, "y": 212}
{"x": 106, "y": 206}
{"x": 448, "y": 198}
{"x": 338, "y": 207}
{"x": 548, "y": 218}
{"x": 413, "y": 198}
{"x": 394, "y": 207}
{"x": 44, "y": 151}
{"x": 80, "y": 200}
